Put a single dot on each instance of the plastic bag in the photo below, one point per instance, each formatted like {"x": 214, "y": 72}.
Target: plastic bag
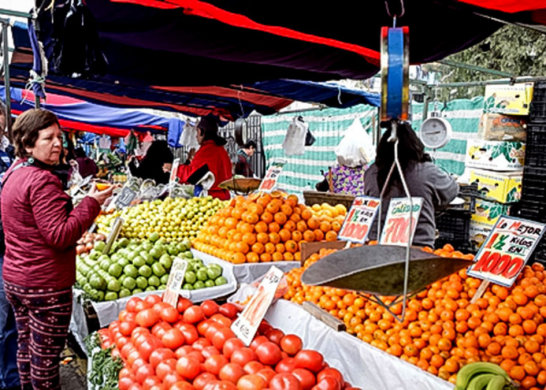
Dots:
{"x": 188, "y": 137}
{"x": 294, "y": 142}
{"x": 356, "y": 148}
{"x": 246, "y": 291}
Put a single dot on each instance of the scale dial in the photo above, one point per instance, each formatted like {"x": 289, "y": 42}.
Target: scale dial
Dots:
{"x": 435, "y": 133}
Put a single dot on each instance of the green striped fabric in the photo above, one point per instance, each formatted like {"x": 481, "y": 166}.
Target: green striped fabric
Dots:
{"x": 329, "y": 125}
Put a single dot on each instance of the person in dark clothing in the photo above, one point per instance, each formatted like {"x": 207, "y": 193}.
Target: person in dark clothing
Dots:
{"x": 243, "y": 166}
{"x": 157, "y": 163}
{"x": 87, "y": 166}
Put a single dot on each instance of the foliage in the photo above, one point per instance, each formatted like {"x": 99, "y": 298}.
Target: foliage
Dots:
{"x": 512, "y": 49}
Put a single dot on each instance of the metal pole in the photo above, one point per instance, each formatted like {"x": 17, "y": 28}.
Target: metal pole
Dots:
{"x": 426, "y": 98}
{"x": 456, "y": 64}
{"x": 5, "y": 52}
{"x": 492, "y": 82}
{"x": 18, "y": 14}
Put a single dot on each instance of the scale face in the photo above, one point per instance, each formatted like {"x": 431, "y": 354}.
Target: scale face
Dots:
{"x": 241, "y": 131}
{"x": 435, "y": 133}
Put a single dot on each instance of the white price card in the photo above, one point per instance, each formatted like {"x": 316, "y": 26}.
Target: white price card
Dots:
{"x": 174, "y": 284}
{"x": 269, "y": 182}
{"x": 359, "y": 219}
{"x": 396, "y": 230}
{"x": 246, "y": 326}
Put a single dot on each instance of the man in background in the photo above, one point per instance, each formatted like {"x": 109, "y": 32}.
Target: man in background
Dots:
{"x": 243, "y": 167}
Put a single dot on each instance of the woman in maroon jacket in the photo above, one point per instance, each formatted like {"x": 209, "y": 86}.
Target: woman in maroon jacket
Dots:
{"x": 41, "y": 229}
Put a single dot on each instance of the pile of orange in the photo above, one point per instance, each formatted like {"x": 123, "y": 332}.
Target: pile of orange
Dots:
{"x": 442, "y": 330}
{"x": 265, "y": 228}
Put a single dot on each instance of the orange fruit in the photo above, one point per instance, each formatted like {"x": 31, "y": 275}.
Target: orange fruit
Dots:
{"x": 288, "y": 256}
{"x": 291, "y": 246}
{"x": 252, "y": 257}
{"x": 267, "y": 217}
{"x": 270, "y": 248}
{"x": 280, "y": 248}
{"x": 286, "y": 210}
{"x": 274, "y": 238}
{"x": 262, "y": 238}
{"x": 319, "y": 235}
{"x": 331, "y": 236}
{"x": 301, "y": 226}
{"x": 325, "y": 226}
{"x": 290, "y": 225}
{"x": 280, "y": 218}
{"x": 238, "y": 258}
{"x": 529, "y": 327}
{"x": 265, "y": 258}
{"x": 258, "y": 248}
{"x": 242, "y": 247}
{"x": 313, "y": 223}
{"x": 285, "y": 235}
{"x": 309, "y": 236}
{"x": 297, "y": 236}
{"x": 306, "y": 214}
{"x": 261, "y": 227}
{"x": 277, "y": 256}
{"x": 295, "y": 217}
{"x": 249, "y": 238}
{"x": 274, "y": 227}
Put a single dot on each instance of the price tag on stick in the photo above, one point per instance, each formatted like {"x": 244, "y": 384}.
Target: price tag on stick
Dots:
{"x": 359, "y": 220}
{"x": 174, "y": 284}
{"x": 125, "y": 197}
{"x": 246, "y": 326}
{"x": 506, "y": 251}
{"x": 395, "y": 231}
{"x": 269, "y": 182}
{"x": 113, "y": 236}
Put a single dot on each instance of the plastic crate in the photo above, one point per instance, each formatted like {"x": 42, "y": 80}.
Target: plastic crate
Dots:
{"x": 535, "y": 155}
{"x": 536, "y": 135}
{"x": 537, "y": 112}
{"x": 454, "y": 226}
{"x": 534, "y": 184}
{"x": 534, "y": 211}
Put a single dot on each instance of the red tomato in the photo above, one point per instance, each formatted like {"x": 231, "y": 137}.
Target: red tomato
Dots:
{"x": 188, "y": 367}
{"x": 203, "y": 379}
{"x": 150, "y": 382}
{"x": 126, "y": 315}
{"x": 328, "y": 383}
{"x": 183, "y": 351}
{"x": 257, "y": 341}
{"x": 220, "y": 385}
{"x": 231, "y": 345}
{"x": 219, "y": 339}
{"x": 291, "y": 344}
{"x": 124, "y": 373}
{"x": 127, "y": 327}
{"x": 242, "y": 356}
{"x": 210, "y": 308}
{"x": 201, "y": 343}
{"x": 158, "y": 387}
{"x": 229, "y": 310}
{"x": 165, "y": 367}
{"x": 197, "y": 355}
{"x": 127, "y": 349}
{"x": 269, "y": 353}
{"x": 153, "y": 299}
{"x": 171, "y": 379}
{"x": 286, "y": 365}
{"x": 160, "y": 328}
{"x": 146, "y": 349}
{"x": 231, "y": 372}
{"x": 135, "y": 386}
{"x": 274, "y": 335}
{"x": 147, "y": 318}
{"x": 122, "y": 342}
{"x": 267, "y": 374}
{"x": 113, "y": 326}
{"x": 183, "y": 304}
{"x": 125, "y": 383}
{"x": 212, "y": 329}
{"x": 215, "y": 363}
{"x": 210, "y": 351}
{"x": 159, "y": 355}
{"x": 189, "y": 332}
{"x": 312, "y": 360}
{"x": 264, "y": 327}
{"x": 194, "y": 314}
{"x": 330, "y": 372}
{"x": 306, "y": 378}
{"x": 253, "y": 367}
{"x": 251, "y": 382}
{"x": 116, "y": 353}
{"x": 284, "y": 382}
{"x": 143, "y": 372}
{"x": 169, "y": 314}
{"x": 133, "y": 356}
{"x": 160, "y": 306}
{"x": 182, "y": 386}
{"x": 204, "y": 326}
{"x": 173, "y": 338}
{"x": 142, "y": 305}
{"x": 131, "y": 304}
{"x": 221, "y": 319}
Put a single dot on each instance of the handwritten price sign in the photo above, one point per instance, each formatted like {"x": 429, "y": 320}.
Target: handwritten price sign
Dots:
{"x": 507, "y": 250}
{"x": 176, "y": 278}
{"x": 269, "y": 182}
{"x": 397, "y": 223}
{"x": 359, "y": 220}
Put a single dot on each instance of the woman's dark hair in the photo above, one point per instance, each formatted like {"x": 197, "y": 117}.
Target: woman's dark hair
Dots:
{"x": 250, "y": 144}
{"x": 80, "y": 153}
{"x": 209, "y": 126}
{"x": 27, "y": 128}
{"x": 410, "y": 151}
{"x": 158, "y": 153}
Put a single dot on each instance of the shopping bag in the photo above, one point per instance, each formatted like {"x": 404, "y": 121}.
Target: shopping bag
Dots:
{"x": 309, "y": 138}
{"x": 356, "y": 147}
{"x": 188, "y": 138}
{"x": 294, "y": 142}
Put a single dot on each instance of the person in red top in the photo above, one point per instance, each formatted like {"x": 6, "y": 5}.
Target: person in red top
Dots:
{"x": 41, "y": 229}
{"x": 211, "y": 153}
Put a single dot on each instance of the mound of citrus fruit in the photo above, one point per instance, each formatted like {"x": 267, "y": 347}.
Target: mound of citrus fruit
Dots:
{"x": 265, "y": 228}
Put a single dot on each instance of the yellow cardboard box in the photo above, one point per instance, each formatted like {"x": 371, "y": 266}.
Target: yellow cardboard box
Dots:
{"x": 508, "y": 99}
{"x": 479, "y": 233}
{"x": 504, "y": 187}
{"x": 495, "y": 155}
{"x": 488, "y": 212}
{"x": 496, "y": 127}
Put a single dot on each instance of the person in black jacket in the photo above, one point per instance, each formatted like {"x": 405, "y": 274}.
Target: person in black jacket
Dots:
{"x": 157, "y": 163}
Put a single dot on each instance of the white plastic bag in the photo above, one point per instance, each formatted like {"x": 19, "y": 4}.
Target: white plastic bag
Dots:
{"x": 356, "y": 148}
{"x": 187, "y": 139}
{"x": 294, "y": 142}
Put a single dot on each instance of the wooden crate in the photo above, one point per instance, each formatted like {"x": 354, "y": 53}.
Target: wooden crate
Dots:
{"x": 316, "y": 197}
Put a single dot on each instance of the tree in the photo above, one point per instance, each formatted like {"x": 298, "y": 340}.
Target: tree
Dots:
{"x": 512, "y": 49}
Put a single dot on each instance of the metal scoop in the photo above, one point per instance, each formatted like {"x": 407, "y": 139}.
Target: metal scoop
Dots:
{"x": 380, "y": 270}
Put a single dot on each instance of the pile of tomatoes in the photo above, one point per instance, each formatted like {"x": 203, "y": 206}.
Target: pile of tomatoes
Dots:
{"x": 269, "y": 227}
{"x": 192, "y": 347}
{"x": 443, "y": 331}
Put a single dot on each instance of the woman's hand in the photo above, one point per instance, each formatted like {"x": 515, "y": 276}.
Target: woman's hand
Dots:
{"x": 101, "y": 196}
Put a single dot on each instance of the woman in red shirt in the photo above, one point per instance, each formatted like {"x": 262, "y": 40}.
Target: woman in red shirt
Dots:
{"x": 213, "y": 154}
{"x": 41, "y": 229}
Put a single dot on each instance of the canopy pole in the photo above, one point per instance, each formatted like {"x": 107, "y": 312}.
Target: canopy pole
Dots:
{"x": 5, "y": 53}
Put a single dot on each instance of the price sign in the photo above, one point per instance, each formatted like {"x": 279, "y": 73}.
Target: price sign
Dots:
{"x": 396, "y": 230}
{"x": 176, "y": 278}
{"x": 125, "y": 197}
{"x": 113, "y": 236}
{"x": 246, "y": 326}
{"x": 359, "y": 220}
{"x": 174, "y": 170}
{"x": 269, "y": 182}
{"x": 506, "y": 251}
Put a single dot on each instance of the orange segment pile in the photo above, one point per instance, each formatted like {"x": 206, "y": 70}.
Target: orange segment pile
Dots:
{"x": 265, "y": 228}
{"x": 443, "y": 331}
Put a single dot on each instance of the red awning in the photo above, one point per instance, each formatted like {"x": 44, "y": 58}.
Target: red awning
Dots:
{"x": 509, "y": 6}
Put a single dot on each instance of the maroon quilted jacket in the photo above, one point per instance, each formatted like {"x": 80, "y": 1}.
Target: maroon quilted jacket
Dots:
{"x": 41, "y": 229}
